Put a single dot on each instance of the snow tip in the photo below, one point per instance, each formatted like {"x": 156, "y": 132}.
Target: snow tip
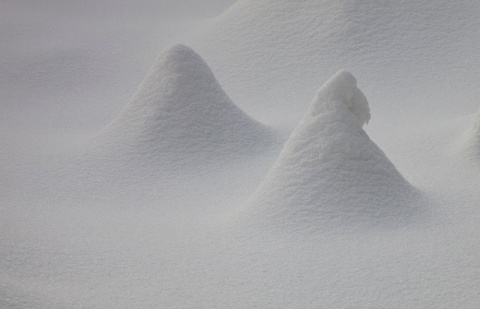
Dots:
{"x": 179, "y": 72}
{"x": 178, "y": 53}
{"x": 341, "y": 88}
{"x": 178, "y": 48}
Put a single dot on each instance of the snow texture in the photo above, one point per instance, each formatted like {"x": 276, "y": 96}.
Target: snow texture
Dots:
{"x": 137, "y": 227}
{"x": 330, "y": 170}
{"x": 285, "y": 47}
{"x": 180, "y": 114}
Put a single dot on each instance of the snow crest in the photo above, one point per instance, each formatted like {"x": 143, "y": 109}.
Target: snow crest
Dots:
{"x": 330, "y": 170}
{"x": 181, "y": 113}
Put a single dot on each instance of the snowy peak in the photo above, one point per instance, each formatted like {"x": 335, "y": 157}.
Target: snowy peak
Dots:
{"x": 329, "y": 169}
{"x": 180, "y": 78}
{"x": 181, "y": 111}
{"x": 340, "y": 91}
{"x": 179, "y": 58}
{"x": 333, "y": 124}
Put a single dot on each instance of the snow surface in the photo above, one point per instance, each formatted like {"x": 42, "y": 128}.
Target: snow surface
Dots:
{"x": 423, "y": 48}
{"x": 329, "y": 169}
{"x": 96, "y": 213}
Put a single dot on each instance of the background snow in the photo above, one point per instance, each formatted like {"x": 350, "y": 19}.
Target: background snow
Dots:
{"x": 71, "y": 237}
{"x": 423, "y": 48}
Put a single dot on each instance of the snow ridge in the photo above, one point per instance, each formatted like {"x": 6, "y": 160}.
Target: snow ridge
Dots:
{"x": 329, "y": 170}
{"x": 181, "y": 113}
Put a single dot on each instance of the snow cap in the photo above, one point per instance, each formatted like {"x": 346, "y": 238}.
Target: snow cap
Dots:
{"x": 180, "y": 77}
{"x": 341, "y": 88}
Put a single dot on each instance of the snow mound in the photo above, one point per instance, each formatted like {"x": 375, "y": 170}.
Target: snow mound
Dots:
{"x": 181, "y": 113}
{"x": 330, "y": 170}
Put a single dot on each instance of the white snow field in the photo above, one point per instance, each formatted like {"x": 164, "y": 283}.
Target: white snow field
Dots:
{"x": 203, "y": 186}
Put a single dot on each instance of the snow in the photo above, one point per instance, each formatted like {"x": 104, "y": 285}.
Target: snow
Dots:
{"x": 471, "y": 139}
{"x": 330, "y": 170}
{"x": 180, "y": 197}
{"x": 281, "y": 50}
{"x": 180, "y": 113}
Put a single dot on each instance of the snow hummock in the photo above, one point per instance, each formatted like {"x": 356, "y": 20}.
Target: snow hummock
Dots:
{"x": 330, "y": 170}
{"x": 181, "y": 113}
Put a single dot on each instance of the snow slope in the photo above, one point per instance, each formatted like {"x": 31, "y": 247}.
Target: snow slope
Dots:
{"x": 329, "y": 170}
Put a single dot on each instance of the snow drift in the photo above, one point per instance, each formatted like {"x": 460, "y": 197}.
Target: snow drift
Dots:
{"x": 180, "y": 113}
{"x": 286, "y": 46}
{"x": 330, "y": 170}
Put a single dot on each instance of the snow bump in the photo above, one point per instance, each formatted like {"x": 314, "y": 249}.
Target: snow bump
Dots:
{"x": 330, "y": 171}
{"x": 181, "y": 113}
